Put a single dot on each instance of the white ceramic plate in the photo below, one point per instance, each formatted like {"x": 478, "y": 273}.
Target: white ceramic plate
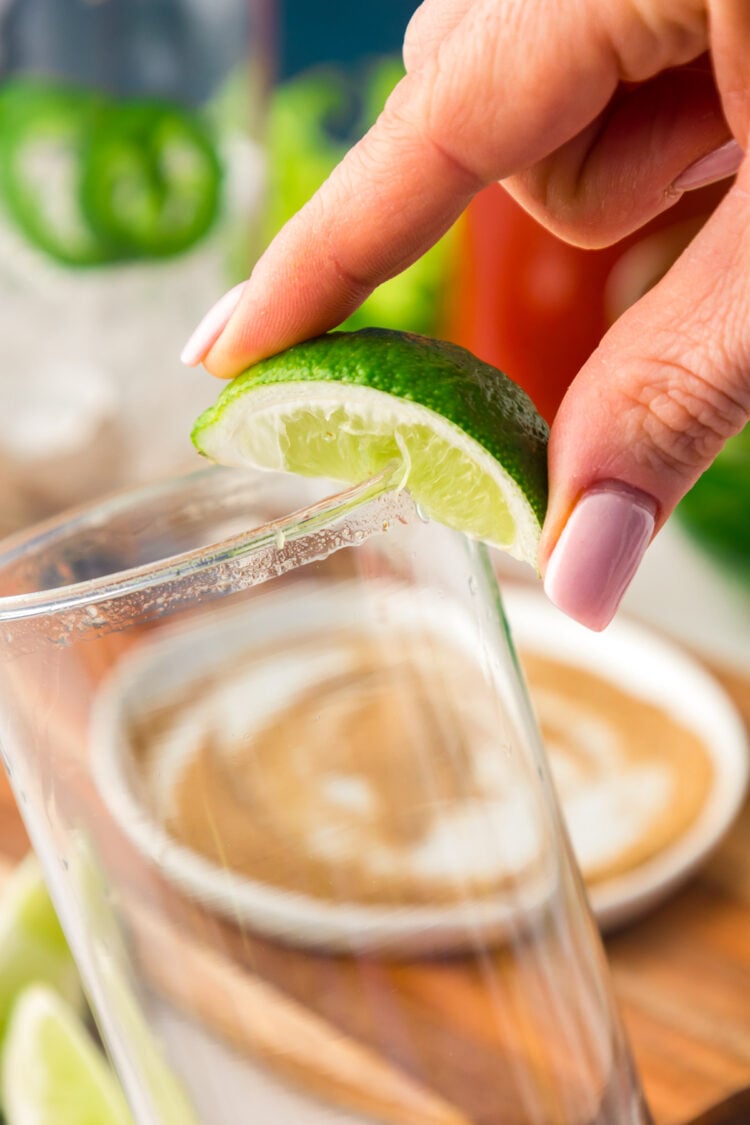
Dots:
{"x": 637, "y": 660}
{"x": 156, "y": 669}
{"x": 653, "y": 669}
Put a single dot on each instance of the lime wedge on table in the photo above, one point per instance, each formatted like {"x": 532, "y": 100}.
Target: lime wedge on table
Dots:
{"x": 347, "y": 404}
{"x": 32, "y": 945}
{"x": 53, "y": 1072}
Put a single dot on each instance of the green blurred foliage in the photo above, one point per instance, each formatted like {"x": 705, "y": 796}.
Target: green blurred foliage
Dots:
{"x": 715, "y": 511}
{"x": 314, "y": 119}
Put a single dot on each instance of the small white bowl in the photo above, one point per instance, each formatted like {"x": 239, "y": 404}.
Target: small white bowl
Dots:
{"x": 653, "y": 669}
{"x": 155, "y": 670}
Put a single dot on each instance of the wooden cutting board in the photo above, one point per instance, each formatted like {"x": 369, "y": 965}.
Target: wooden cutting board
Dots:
{"x": 682, "y": 976}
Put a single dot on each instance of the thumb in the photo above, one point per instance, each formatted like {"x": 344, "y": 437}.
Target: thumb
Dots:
{"x": 647, "y": 414}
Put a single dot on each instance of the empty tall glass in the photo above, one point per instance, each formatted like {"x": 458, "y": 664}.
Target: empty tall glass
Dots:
{"x": 131, "y": 183}
{"x": 276, "y": 755}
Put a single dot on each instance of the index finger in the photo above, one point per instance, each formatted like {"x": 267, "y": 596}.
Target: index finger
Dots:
{"x": 511, "y": 83}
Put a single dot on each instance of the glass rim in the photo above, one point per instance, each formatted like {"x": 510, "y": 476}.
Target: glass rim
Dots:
{"x": 298, "y": 524}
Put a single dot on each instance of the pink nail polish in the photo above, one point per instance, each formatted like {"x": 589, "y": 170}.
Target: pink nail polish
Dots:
{"x": 599, "y": 551}
{"x": 716, "y": 165}
{"x": 211, "y": 327}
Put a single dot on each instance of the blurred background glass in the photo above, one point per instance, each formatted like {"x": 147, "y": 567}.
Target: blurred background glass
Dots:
{"x": 130, "y": 196}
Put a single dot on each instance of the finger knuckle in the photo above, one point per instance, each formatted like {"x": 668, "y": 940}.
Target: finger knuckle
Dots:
{"x": 410, "y": 119}
{"x": 682, "y": 414}
{"x": 413, "y": 51}
{"x": 649, "y": 35}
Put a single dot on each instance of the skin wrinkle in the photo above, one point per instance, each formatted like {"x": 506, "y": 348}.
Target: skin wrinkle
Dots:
{"x": 733, "y": 339}
{"x": 433, "y": 105}
{"x": 419, "y": 132}
{"x": 368, "y": 164}
{"x": 648, "y": 40}
{"x": 560, "y": 194}
{"x": 680, "y": 419}
{"x": 442, "y": 102}
{"x": 569, "y": 204}
{"x": 590, "y": 193}
{"x": 719, "y": 313}
{"x": 356, "y": 288}
{"x": 427, "y": 29}
{"x": 473, "y": 180}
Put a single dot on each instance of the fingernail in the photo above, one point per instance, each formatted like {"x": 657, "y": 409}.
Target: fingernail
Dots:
{"x": 723, "y": 161}
{"x": 211, "y": 327}
{"x": 598, "y": 552}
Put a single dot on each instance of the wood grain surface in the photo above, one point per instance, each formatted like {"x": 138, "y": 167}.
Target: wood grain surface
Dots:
{"x": 682, "y": 976}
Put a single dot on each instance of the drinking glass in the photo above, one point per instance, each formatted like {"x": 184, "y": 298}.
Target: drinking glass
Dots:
{"x": 131, "y": 185}
{"x": 274, "y": 750}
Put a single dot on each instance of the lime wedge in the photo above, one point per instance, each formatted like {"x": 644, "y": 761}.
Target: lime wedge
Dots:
{"x": 32, "y": 945}
{"x": 345, "y": 405}
{"x": 53, "y": 1072}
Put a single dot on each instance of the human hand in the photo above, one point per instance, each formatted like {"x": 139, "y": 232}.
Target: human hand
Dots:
{"x": 597, "y": 117}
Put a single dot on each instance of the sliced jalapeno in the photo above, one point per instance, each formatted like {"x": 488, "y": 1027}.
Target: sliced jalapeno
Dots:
{"x": 44, "y": 136}
{"x": 151, "y": 180}
{"x": 91, "y": 181}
